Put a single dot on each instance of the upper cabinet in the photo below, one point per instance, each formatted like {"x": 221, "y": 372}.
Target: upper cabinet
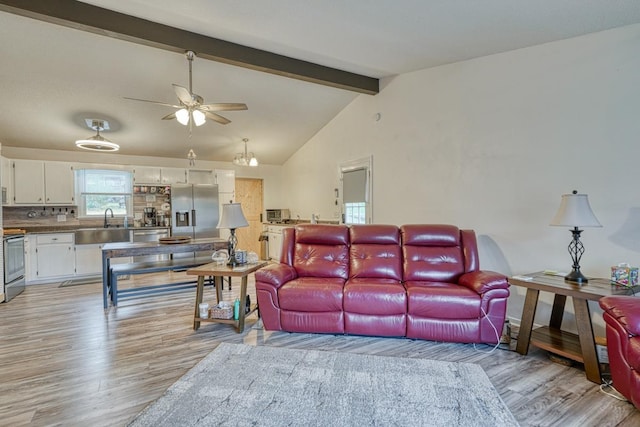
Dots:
{"x": 146, "y": 175}
{"x": 59, "y": 183}
{"x": 7, "y": 181}
{"x": 226, "y": 180}
{"x": 200, "y": 176}
{"x": 36, "y": 182}
{"x": 173, "y": 176}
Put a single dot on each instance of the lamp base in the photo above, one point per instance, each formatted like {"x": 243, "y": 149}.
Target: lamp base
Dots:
{"x": 577, "y": 277}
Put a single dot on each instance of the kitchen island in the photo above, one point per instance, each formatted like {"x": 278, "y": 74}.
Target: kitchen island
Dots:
{"x": 126, "y": 249}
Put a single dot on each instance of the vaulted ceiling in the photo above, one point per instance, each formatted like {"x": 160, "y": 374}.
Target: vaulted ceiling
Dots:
{"x": 295, "y": 63}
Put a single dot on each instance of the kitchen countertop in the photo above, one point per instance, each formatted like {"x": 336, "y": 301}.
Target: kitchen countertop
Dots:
{"x": 72, "y": 228}
{"x": 293, "y": 223}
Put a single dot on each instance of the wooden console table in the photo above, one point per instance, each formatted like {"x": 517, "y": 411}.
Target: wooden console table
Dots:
{"x": 218, "y": 272}
{"x": 580, "y": 347}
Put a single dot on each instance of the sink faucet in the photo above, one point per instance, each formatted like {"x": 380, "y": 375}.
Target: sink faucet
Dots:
{"x": 106, "y": 221}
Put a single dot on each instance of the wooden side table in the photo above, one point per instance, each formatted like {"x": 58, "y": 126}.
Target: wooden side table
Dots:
{"x": 580, "y": 347}
{"x": 219, "y": 272}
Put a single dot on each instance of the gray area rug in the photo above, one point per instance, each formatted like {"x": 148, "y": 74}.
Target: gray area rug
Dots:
{"x": 240, "y": 385}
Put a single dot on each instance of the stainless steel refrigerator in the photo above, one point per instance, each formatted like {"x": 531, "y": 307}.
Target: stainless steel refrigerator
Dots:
{"x": 195, "y": 212}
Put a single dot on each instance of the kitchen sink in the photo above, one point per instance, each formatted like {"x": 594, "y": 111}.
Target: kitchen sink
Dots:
{"x": 87, "y": 236}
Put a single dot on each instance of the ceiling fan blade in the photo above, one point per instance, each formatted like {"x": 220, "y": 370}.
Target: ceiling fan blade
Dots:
{"x": 169, "y": 116}
{"x": 183, "y": 95}
{"x": 153, "y": 102}
{"x": 217, "y": 118}
{"x": 223, "y": 107}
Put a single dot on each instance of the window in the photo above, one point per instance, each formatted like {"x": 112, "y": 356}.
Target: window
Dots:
{"x": 356, "y": 191}
{"x": 355, "y": 213}
{"x": 98, "y": 190}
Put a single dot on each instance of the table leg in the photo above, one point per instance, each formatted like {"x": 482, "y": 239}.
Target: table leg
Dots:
{"x": 196, "y": 312}
{"x": 587, "y": 341}
{"x": 526, "y": 323}
{"x": 106, "y": 282}
{"x": 243, "y": 298}
{"x": 219, "y": 284}
{"x": 557, "y": 312}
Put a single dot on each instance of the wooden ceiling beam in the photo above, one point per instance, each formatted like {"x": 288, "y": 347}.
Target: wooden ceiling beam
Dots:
{"x": 86, "y": 17}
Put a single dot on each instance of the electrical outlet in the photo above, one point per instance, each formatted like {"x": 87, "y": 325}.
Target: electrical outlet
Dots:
{"x": 603, "y": 357}
{"x": 62, "y": 218}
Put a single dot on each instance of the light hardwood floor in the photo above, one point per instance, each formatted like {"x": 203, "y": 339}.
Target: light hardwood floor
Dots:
{"x": 64, "y": 361}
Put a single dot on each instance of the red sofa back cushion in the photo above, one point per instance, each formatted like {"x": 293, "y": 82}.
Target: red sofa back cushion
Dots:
{"x": 321, "y": 250}
{"x": 375, "y": 251}
{"x": 437, "y": 252}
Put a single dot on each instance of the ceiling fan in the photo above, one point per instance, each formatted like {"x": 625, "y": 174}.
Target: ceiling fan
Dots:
{"x": 191, "y": 108}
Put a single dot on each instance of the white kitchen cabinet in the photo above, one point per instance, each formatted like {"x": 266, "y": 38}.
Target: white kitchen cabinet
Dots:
{"x": 226, "y": 180}
{"x": 173, "y": 176}
{"x": 59, "y": 183}
{"x": 7, "y": 181}
{"x": 55, "y": 256}
{"x": 30, "y": 258}
{"x": 274, "y": 233}
{"x": 200, "y": 176}
{"x": 88, "y": 259}
{"x": 36, "y": 182}
{"x": 28, "y": 181}
{"x": 146, "y": 175}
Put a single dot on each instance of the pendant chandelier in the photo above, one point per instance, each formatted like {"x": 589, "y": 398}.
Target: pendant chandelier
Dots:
{"x": 192, "y": 157}
{"x": 245, "y": 159}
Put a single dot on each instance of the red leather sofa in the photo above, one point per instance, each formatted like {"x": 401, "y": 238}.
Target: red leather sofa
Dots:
{"x": 622, "y": 318}
{"x": 416, "y": 281}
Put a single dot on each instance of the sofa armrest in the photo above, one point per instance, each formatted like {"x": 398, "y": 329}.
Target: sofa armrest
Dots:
{"x": 483, "y": 281}
{"x": 625, "y": 310}
{"x": 276, "y": 274}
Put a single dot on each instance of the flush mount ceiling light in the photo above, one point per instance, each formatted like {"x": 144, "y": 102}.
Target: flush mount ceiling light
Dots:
{"x": 97, "y": 142}
{"x": 245, "y": 159}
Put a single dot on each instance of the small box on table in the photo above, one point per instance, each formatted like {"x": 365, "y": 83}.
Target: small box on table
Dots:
{"x": 624, "y": 275}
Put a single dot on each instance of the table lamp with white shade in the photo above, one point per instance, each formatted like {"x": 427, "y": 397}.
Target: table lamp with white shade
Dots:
{"x": 575, "y": 212}
{"x": 232, "y": 218}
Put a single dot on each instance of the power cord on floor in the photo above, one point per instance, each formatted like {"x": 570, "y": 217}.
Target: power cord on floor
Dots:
{"x": 609, "y": 384}
{"x": 494, "y": 330}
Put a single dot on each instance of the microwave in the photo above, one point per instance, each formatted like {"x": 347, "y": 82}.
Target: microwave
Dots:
{"x": 278, "y": 215}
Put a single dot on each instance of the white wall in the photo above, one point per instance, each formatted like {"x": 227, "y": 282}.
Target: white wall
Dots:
{"x": 491, "y": 144}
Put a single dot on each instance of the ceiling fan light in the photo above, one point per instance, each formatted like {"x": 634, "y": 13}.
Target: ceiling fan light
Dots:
{"x": 182, "y": 115}
{"x": 198, "y": 117}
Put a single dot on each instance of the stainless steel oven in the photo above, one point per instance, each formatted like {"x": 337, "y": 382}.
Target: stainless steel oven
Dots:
{"x": 13, "y": 246}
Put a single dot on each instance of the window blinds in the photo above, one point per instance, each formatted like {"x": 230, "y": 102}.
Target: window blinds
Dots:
{"x": 354, "y": 186}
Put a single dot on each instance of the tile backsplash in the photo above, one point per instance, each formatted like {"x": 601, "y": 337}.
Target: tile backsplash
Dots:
{"x": 158, "y": 197}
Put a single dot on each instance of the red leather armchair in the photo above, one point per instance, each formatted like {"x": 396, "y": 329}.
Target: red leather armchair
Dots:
{"x": 622, "y": 319}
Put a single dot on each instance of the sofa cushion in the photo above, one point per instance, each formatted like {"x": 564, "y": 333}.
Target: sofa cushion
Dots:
{"x": 375, "y": 251}
{"x": 375, "y": 296}
{"x": 432, "y": 253}
{"x": 311, "y": 294}
{"x": 321, "y": 251}
{"x": 440, "y": 300}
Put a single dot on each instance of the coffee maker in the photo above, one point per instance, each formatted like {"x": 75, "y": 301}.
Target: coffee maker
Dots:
{"x": 150, "y": 217}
